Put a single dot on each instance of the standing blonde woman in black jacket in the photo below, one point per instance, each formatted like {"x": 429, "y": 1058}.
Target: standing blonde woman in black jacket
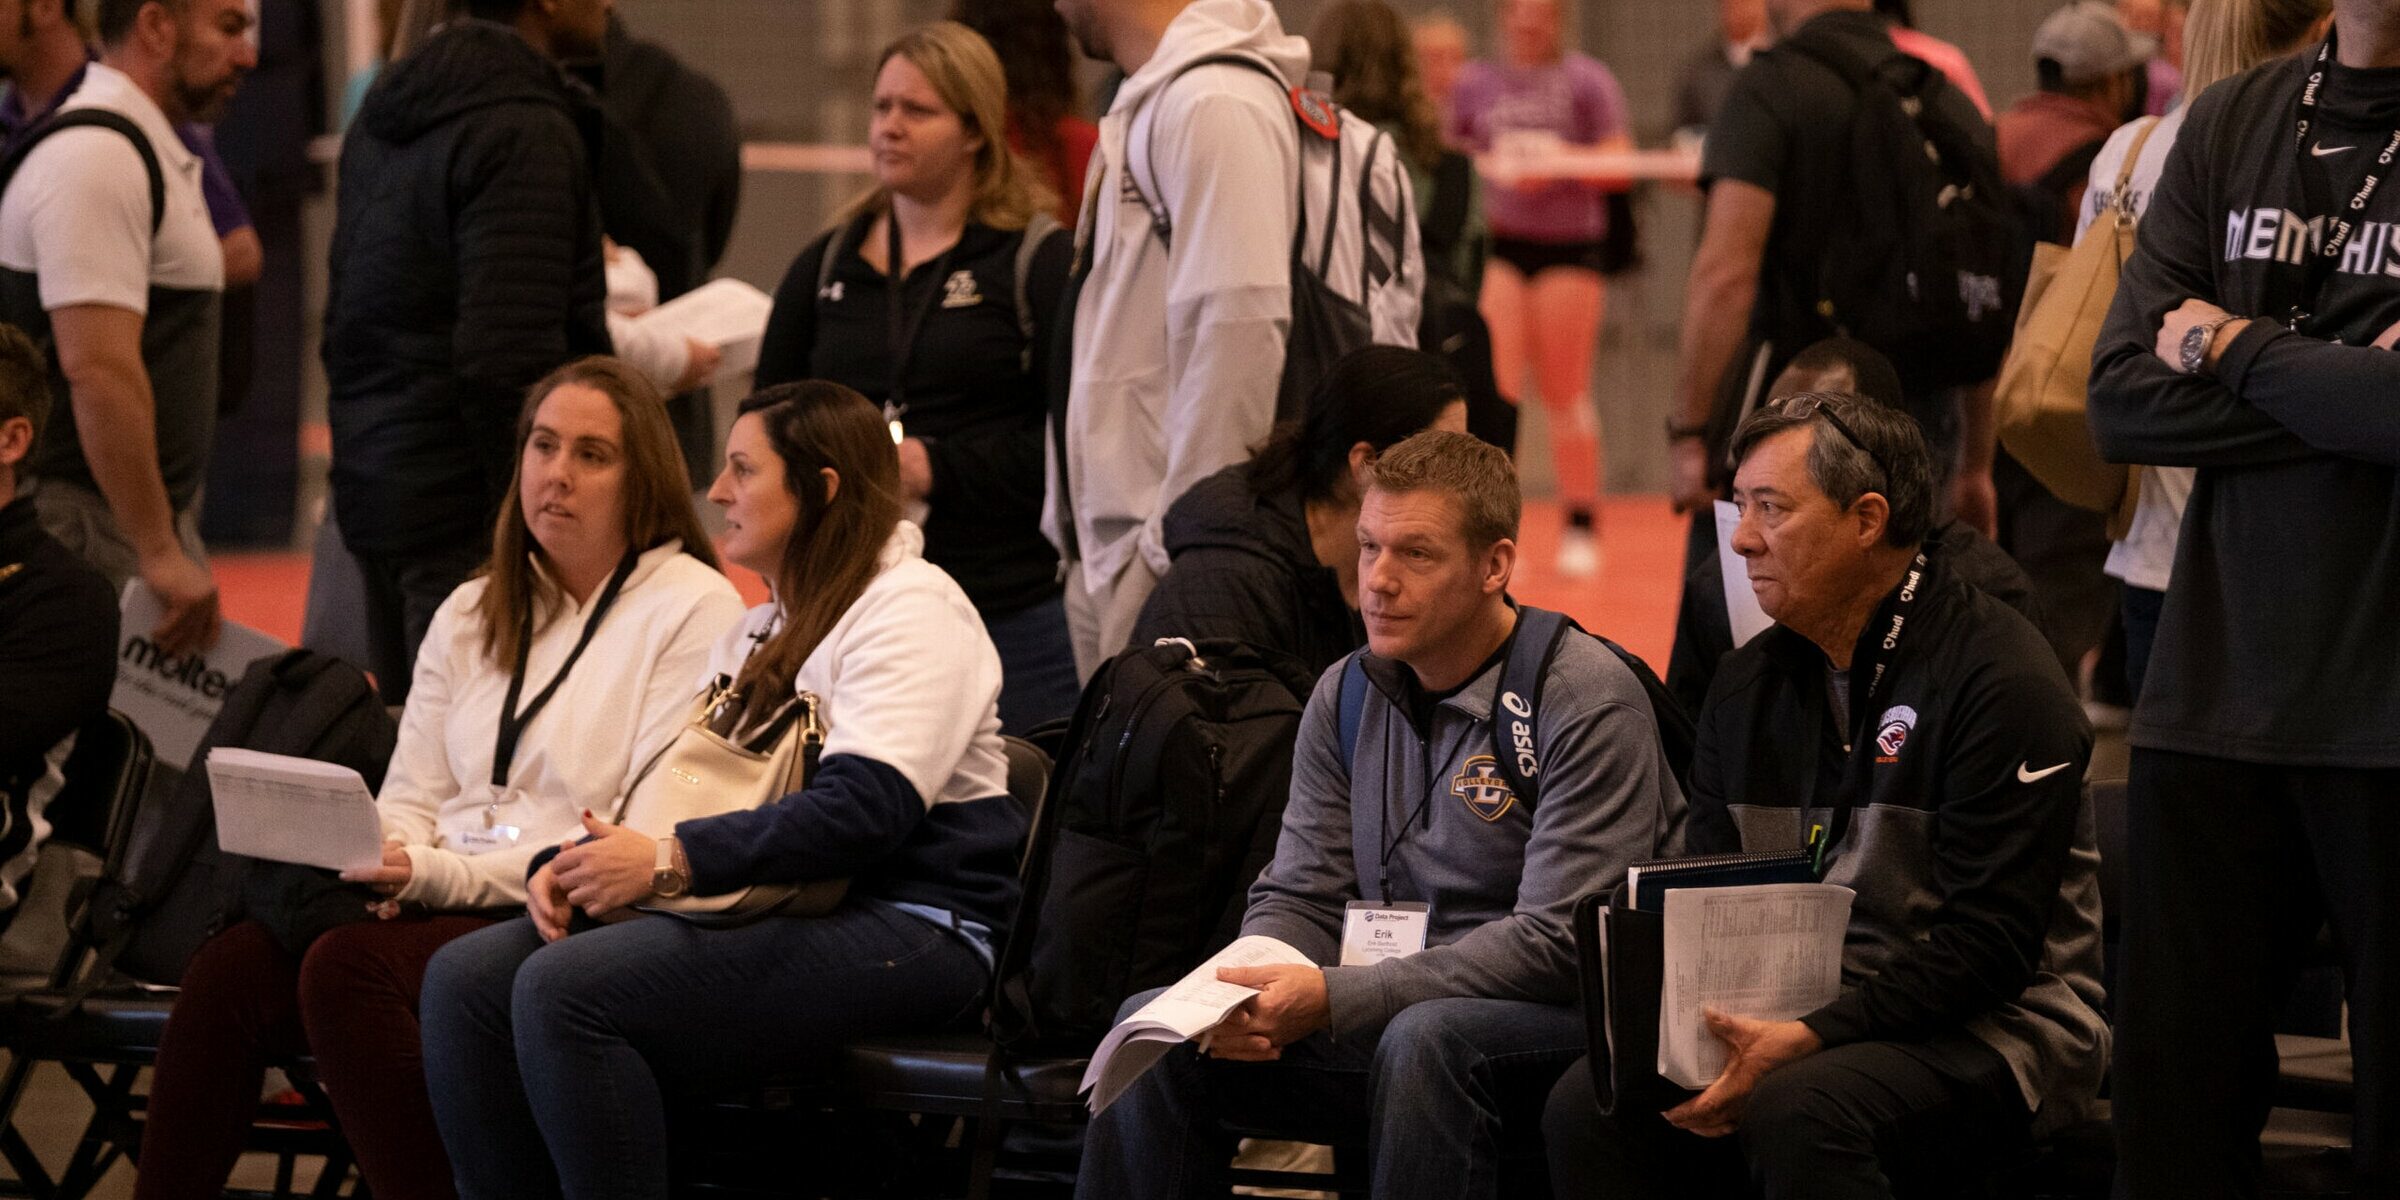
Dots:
{"x": 956, "y": 350}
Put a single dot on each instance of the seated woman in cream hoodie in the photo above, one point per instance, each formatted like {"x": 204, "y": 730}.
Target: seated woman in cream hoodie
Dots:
{"x": 589, "y": 627}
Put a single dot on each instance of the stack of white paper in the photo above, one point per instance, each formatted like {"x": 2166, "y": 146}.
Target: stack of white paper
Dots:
{"x": 1741, "y": 604}
{"x": 726, "y": 313}
{"x": 294, "y": 810}
{"x": 1770, "y": 952}
{"x": 1192, "y": 1007}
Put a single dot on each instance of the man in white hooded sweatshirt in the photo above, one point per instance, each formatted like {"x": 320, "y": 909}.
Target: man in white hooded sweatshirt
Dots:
{"x": 1179, "y": 333}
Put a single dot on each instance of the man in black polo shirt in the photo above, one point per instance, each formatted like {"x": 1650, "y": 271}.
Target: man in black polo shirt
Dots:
{"x": 2247, "y": 340}
{"x": 1928, "y": 729}
{"x": 1778, "y": 159}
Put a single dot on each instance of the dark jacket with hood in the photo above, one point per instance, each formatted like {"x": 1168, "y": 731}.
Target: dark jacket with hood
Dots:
{"x": 465, "y": 266}
{"x": 1244, "y": 569}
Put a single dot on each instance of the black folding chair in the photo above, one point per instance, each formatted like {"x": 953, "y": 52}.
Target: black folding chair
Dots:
{"x": 104, "y": 1031}
{"x": 950, "y": 1076}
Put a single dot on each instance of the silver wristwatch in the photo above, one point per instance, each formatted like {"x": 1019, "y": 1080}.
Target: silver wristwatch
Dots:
{"x": 2196, "y": 340}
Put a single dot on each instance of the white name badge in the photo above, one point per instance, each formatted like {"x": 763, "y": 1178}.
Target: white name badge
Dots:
{"x": 1372, "y": 933}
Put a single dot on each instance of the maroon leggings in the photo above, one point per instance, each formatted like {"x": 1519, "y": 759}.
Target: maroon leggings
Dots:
{"x": 352, "y": 1000}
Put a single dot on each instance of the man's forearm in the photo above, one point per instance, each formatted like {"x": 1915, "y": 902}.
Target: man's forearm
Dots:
{"x": 116, "y": 419}
{"x": 1716, "y": 317}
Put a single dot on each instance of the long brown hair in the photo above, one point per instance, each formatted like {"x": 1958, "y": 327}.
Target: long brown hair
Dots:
{"x": 838, "y": 541}
{"x": 967, "y": 75}
{"x": 657, "y": 501}
{"x": 1367, "y": 49}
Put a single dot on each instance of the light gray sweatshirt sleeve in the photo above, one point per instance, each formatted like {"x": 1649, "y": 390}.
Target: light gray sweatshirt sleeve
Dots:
{"x": 1608, "y": 800}
{"x": 1301, "y": 896}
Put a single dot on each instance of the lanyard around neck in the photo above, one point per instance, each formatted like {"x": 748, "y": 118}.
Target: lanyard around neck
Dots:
{"x": 1882, "y": 640}
{"x": 903, "y": 324}
{"x": 513, "y": 722}
{"x": 2339, "y": 225}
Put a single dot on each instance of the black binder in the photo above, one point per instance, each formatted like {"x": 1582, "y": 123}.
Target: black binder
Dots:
{"x": 1621, "y": 956}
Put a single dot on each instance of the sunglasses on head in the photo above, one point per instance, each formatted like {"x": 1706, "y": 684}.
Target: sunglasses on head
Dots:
{"x": 1815, "y": 405}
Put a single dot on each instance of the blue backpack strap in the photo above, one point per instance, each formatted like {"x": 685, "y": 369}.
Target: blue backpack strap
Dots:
{"x": 1516, "y": 714}
{"x": 1350, "y": 707}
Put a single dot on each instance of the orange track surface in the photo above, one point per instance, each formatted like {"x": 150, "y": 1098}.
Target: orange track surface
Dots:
{"x": 1632, "y": 600}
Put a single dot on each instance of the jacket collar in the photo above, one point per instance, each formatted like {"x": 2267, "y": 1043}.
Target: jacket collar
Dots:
{"x": 1473, "y": 699}
{"x": 20, "y": 529}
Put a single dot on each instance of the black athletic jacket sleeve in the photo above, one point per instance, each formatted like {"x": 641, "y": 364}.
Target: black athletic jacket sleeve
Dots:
{"x": 2142, "y": 410}
{"x": 58, "y": 641}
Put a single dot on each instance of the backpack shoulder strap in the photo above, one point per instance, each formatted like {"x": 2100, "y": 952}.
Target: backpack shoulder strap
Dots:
{"x": 1029, "y": 243}
{"x": 1350, "y": 706}
{"x": 99, "y": 118}
{"x": 1518, "y": 699}
{"x": 837, "y": 239}
{"x": 1160, "y": 220}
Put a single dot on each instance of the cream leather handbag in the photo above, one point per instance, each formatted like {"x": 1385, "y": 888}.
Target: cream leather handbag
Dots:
{"x": 713, "y": 768}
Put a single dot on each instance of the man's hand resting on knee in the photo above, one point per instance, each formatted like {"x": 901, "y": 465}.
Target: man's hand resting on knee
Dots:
{"x": 1290, "y": 1005}
{"x": 1756, "y": 1047}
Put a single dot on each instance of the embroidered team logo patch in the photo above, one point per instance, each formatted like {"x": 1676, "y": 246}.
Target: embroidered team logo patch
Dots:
{"x": 1892, "y": 732}
{"x": 959, "y": 290}
{"x": 1480, "y": 784}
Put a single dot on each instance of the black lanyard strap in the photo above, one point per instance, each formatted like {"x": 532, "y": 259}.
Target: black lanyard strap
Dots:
{"x": 2342, "y": 224}
{"x": 513, "y": 722}
{"x": 904, "y": 326}
{"x": 1882, "y": 641}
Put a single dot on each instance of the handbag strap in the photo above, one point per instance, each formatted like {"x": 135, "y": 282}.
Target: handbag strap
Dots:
{"x": 2122, "y": 201}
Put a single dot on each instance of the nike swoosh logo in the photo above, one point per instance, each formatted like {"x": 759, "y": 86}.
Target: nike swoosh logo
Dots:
{"x": 2321, "y": 150}
{"x": 2025, "y": 776}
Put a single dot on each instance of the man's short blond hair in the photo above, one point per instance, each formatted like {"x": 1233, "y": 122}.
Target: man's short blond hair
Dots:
{"x": 1468, "y": 469}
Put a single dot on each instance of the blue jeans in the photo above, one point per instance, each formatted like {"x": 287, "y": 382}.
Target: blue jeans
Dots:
{"x": 1431, "y": 1096}
{"x": 1037, "y": 665}
{"x": 549, "y": 1064}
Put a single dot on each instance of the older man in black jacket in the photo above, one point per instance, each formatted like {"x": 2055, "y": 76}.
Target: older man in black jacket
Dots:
{"x": 1926, "y": 727}
{"x": 466, "y": 265}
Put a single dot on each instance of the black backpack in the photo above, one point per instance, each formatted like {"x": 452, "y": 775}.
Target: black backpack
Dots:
{"x": 1920, "y": 258}
{"x": 172, "y": 888}
{"x": 1168, "y": 798}
{"x": 1450, "y": 322}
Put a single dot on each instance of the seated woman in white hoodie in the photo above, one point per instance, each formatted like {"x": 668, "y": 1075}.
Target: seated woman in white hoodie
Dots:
{"x": 549, "y": 1053}
{"x": 593, "y": 619}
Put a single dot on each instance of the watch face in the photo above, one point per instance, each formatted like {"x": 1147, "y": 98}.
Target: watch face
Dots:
{"x": 2195, "y": 348}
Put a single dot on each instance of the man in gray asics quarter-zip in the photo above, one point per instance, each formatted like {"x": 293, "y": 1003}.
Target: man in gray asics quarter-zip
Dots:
{"x": 2250, "y": 339}
{"x": 1430, "y": 1055}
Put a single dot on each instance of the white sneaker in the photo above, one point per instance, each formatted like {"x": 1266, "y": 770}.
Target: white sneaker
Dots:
{"x": 1578, "y": 553}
